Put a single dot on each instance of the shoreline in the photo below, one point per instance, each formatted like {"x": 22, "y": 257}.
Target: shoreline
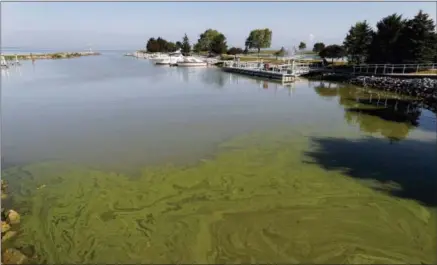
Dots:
{"x": 46, "y": 56}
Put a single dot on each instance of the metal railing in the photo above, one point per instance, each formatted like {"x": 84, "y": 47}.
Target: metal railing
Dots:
{"x": 296, "y": 68}
{"x": 393, "y": 68}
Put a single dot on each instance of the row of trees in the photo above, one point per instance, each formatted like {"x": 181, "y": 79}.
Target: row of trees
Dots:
{"x": 395, "y": 40}
{"x": 212, "y": 41}
{"x": 162, "y": 45}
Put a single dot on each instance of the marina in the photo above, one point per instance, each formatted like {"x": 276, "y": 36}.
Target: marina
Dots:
{"x": 244, "y": 141}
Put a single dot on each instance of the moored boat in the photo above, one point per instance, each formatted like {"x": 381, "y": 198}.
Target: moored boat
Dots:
{"x": 192, "y": 62}
{"x": 172, "y": 58}
{"x": 3, "y": 62}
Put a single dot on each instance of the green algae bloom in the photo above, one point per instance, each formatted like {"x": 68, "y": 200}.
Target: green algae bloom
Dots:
{"x": 256, "y": 201}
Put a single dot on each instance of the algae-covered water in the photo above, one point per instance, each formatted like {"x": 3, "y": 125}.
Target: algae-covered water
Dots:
{"x": 114, "y": 160}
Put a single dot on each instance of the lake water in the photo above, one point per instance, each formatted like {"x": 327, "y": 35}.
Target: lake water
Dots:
{"x": 111, "y": 159}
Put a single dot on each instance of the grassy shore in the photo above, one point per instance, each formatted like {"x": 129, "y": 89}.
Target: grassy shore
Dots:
{"x": 58, "y": 55}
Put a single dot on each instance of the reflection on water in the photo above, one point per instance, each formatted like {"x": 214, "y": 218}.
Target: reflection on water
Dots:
{"x": 11, "y": 71}
{"x": 393, "y": 116}
{"x": 114, "y": 160}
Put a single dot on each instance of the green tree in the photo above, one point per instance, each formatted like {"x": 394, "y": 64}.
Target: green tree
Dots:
{"x": 171, "y": 47}
{"x": 418, "y": 40}
{"x": 152, "y": 45}
{"x": 259, "y": 38}
{"x": 385, "y": 46}
{"x": 234, "y": 51}
{"x": 186, "y": 47}
{"x": 318, "y": 46}
{"x": 302, "y": 46}
{"x": 357, "y": 42}
{"x": 219, "y": 45}
{"x": 179, "y": 45}
{"x": 206, "y": 38}
{"x": 162, "y": 44}
{"x": 333, "y": 52}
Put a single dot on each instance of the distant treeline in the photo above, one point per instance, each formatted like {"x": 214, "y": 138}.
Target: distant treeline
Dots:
{"x": 213, "y": 42}
{"x": 395, "y": 40}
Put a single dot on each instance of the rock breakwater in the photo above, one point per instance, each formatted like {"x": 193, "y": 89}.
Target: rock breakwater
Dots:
{"x": 10, "y": 227}
{"x": 423, "y": 88}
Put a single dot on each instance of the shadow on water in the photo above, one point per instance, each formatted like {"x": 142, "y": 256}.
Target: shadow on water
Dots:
{"x": 371, "y": 110}
{"x": 395, "y": 168}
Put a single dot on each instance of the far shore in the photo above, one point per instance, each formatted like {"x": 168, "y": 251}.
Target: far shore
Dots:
{"x": 57, "y": 55}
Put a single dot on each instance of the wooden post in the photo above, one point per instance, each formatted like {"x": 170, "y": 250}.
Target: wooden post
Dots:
{"x": 392, "y": 68}
{"x": 417, "y": 69}
{"x": 384, "y": 67}
{"x": 403, "y": 71}
{"x": 376, "y": 68}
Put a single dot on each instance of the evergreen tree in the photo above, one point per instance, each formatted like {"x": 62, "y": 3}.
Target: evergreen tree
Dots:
{"x": 357, "y": 42}
{"x": 186, "y": 47}
{"x": 418, "y": 40}
{"x": 385, "y": 46}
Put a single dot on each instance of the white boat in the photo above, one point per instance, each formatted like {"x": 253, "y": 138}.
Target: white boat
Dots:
{"x": 172, "y": 58}
{"x": 3, "y": 62}
{"x": 192, "y": 62}
{"x": 157, "y": 56}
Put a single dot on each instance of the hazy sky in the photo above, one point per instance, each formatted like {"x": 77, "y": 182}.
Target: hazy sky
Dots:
{"x": 118, "y": 25}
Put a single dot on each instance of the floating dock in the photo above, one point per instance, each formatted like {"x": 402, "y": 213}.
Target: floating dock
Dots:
{"x": 284, "y": 73}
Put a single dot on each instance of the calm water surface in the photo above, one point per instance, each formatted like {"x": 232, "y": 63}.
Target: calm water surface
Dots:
{"x": 113, "y": 159}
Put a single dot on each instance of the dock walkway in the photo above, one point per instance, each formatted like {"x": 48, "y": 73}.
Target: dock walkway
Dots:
{"x": 284, "y": 73}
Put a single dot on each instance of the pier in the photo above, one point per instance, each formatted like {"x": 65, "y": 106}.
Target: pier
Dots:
{"x": 389, "y": 70}
{"x": 284, "y": 72}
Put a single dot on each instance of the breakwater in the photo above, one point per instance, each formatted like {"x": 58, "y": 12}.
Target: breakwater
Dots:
{"x": 423, "y": 88}
{"x": 58, "y": 55}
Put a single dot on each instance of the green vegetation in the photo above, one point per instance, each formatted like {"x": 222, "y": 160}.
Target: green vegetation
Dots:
{"x": 219, "y": 45}
{"x": 58, "y": 55}
{"x": 333, "y": 52}
{"x": 207, "y": 39}
{"x": 161, "y": 45}
{"x": 357, "y": 42}
{"x": 318, "y": 47}
{"x": 302, "y": 46}
{"x": 259, "y": 38}
{"x": 396, "y": 40}
{"x": 255, "y": 202}
{"x": 235, "y": 51}
{"x": 280, "y": 53}
{"x": 186, "y": 46}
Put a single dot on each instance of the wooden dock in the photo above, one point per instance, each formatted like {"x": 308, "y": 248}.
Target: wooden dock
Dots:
{"x": 284, "y": 73}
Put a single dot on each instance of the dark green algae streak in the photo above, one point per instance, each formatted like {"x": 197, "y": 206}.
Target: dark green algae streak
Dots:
{"x": 256, "y": 201}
